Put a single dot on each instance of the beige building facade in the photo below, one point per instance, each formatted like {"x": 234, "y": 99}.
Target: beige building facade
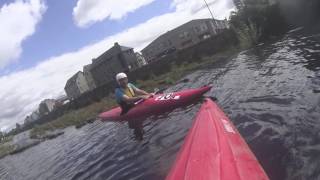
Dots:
{"x": 76, "y": 85}
{"x": 88, "y": 76}
{"x": 182, "y": 37}
{"x": 116, "y": 59}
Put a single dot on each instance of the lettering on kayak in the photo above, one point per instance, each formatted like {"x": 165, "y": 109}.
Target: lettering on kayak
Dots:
{"x": 227, "y": 126}
{"x": 167, "y": 97}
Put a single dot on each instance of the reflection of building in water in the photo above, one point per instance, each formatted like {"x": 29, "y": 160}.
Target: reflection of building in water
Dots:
{"x": 137, "y": 126}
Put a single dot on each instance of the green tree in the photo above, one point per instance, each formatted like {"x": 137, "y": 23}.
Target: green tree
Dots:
{"x": 256, "y": 21}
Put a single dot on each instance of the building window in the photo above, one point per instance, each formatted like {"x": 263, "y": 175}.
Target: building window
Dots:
{"x": 181, "y": 36}
{"x": 204, "y": 36}
{"x": 197, "y": 29}
{"x": 184, "y": 35}
{"x": 204, "y": 27}
{"x": 185, "y": 43}
{"x": 213, "y": 24}
{"x": 163, "y": 44}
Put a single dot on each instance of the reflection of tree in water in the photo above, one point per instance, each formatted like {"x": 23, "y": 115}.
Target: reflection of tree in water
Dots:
{"x": 137, "y": 126}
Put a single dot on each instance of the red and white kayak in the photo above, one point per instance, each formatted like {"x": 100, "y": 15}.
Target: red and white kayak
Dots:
{"x": 157, "y": 104}
{"x": 214, "y": 150}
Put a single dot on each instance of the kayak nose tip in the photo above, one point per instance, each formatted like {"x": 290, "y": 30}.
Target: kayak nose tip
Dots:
{"x": 207, "y": 87}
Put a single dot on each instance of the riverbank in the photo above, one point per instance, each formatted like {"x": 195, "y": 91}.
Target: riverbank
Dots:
{"x": 23, "y": 141}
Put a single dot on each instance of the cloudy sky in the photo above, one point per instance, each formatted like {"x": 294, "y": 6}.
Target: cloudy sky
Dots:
{"x": 44, "y": 42}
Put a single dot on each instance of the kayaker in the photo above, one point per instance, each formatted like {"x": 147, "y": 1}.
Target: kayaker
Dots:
{"x": 127, "y": 94}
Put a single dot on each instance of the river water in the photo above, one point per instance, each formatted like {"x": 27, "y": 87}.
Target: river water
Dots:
{"x": 271, "y": 93}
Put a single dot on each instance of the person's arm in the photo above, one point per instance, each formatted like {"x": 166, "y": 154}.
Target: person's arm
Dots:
{"x": 139, "y": 91}
{"x": 128, "y": 99}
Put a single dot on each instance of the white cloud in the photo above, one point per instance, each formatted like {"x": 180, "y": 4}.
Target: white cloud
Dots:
{"x": 88, "y": 12}
{"x": 18, "y": 21}
{"x": 21, "y": 92}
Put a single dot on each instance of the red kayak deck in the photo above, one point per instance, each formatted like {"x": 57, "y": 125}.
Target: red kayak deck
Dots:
{"x": 157, "y": 104}
{"x": 214, "y": 150}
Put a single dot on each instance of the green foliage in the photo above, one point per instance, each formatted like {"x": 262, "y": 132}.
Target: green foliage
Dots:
{"x": 5, "y": 149}
{"x": 256, "y": 21}
{"x": 6, "y": 138}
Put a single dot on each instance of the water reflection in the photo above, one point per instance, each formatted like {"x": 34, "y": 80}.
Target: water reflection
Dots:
{"x": 137, "y": 126}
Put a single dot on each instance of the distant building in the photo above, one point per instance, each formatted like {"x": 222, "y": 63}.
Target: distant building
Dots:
{"x": 35, "y": 115}
{"x": 116, "y": 59}
{"x": 28, "y": 120}
{"x": 76, "y": 85}
{"x": 141, "y": 60}
{"x": 241, "y": 3}
{"x": 46, "y": 106}
{"x": 61, "y": 100}
{"x": 88, "y": 76}
{"x": 18, "y": 126}
{"x": 183, "y": 36}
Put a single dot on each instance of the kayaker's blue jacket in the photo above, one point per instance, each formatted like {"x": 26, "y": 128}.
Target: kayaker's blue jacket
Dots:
{"x": 130, "y": 92}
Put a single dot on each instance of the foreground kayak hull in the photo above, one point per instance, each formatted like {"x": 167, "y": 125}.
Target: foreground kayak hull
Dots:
{"x": 158, "y": 104}
{"x": 214, "y": 150}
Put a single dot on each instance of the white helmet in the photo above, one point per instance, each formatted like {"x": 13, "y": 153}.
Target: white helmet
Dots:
{"x": 120, "y": 76}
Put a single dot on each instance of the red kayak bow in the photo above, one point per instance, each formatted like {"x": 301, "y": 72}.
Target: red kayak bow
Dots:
{"x": 214, "y": 150}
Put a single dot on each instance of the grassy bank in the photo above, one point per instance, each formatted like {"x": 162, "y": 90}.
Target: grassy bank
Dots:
{"x": 5, "y": 146}
{"x": 76, "y": 117}
{"x": 5, "y": 149}
{"x": 82, "y": 116}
